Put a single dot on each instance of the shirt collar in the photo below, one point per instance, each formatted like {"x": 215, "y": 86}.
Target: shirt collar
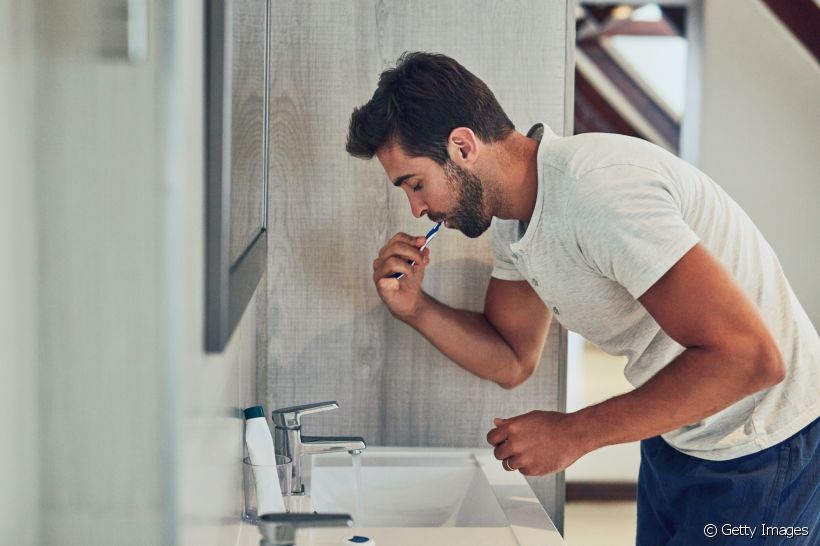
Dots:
{"x": 544, "y": 134}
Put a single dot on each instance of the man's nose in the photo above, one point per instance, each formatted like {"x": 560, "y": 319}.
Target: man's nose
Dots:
{"x": 418, "y": 207}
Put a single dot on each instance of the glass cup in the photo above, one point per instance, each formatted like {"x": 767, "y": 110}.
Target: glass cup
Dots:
{"x": 265, "y": 477}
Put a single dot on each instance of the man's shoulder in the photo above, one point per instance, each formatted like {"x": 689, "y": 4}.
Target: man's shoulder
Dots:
{"x": 591, "y": 154}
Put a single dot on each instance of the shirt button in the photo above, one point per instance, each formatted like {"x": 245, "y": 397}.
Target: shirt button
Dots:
{"x": 555, "y": 310}
{"x": 535, "y": 282}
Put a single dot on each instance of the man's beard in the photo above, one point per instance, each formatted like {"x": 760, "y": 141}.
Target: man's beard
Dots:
{"x": 468, "y": 216}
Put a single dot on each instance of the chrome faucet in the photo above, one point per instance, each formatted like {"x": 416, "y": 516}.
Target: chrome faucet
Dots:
{"x": 288, "y": 439}
{"x": 280, "y": 529}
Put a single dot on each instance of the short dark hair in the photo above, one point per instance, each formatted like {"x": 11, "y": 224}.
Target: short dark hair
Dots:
{"x": 419, "y": 102}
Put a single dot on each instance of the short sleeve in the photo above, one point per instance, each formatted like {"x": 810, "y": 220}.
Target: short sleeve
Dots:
{"x": 505, "y": 232}
{"x": 628, "y": 225}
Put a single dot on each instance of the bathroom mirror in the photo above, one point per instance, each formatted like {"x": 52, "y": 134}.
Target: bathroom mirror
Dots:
{"x": 237, "y": 66}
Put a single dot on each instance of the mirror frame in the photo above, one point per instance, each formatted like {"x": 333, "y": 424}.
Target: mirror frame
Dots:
{"x": 228, "y": 286}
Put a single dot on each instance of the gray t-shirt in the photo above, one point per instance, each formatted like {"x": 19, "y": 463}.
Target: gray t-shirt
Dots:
{"x": 613, "y": 214}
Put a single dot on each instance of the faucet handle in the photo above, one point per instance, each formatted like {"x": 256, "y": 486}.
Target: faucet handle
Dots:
{"x": 291, "y": 417}
{"x": 280, "y": 529}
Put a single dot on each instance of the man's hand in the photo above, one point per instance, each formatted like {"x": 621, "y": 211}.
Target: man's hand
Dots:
{"x": 538, "y": 442}
{"x": 730, "y": 354}
{"x": 402, "y": 296}
{"x": 503, "y": 344}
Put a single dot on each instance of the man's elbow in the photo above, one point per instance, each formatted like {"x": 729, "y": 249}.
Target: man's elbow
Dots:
{"x": 772, "y": 364}
{"x": 519, "y": 373}
{"x": 768, "y": 368}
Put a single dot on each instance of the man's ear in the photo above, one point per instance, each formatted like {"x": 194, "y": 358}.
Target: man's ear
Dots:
{"x": 463, "y": 146}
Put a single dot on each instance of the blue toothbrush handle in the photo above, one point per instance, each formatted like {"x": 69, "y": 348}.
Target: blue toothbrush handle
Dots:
{"x": 400, "y": 275}
{"x": 430, "y": 234}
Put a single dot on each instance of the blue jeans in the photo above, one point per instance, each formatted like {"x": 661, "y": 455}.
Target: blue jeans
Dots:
{"x": 766, "y": 498}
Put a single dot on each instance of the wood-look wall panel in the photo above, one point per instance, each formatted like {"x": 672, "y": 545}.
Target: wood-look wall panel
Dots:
{"x": 247, "y": 128}
{"x": 329, "y": 336}
{"x": 321, "y": 218}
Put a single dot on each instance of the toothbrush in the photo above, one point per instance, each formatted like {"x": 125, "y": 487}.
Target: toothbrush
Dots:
{"x": 427, "y": 238}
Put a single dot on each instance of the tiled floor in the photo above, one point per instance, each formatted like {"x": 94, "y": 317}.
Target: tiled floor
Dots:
{"x": 599, "y": 523}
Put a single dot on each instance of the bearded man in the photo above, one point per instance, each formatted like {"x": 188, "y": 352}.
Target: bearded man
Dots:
{"x": 637, "y": 251}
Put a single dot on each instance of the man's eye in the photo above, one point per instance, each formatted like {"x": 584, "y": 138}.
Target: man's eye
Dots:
{"x": 417, "y": 187}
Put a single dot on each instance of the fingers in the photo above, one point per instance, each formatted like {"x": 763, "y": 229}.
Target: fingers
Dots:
{"x": 497, "y": 435}
{"x": 501, "y": 436}
{"x": 407, "y": 251}
{"x": 390, "y": 266}
{"x": 503, "y": 451}
{"x": 395, "y": 256}
{"x": 404, "y": 240}
{"x": 387, "y": 284}
{"x": 511, "y": 464}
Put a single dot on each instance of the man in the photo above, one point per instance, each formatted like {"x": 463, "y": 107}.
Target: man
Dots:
{"x": 637, "y": 251}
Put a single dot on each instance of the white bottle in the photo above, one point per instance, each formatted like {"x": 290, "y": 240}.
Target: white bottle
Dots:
{"x": 263, "y": 458}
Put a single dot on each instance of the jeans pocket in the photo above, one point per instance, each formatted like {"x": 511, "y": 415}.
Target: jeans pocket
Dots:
{"x": 778, "y": 483}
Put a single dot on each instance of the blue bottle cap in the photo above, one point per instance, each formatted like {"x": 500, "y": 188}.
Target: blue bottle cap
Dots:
{"x": 254, "y": 412}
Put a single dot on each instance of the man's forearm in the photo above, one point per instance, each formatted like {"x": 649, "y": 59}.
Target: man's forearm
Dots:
{"x": 697, "y": 384}
{"x": 468, "y": 339}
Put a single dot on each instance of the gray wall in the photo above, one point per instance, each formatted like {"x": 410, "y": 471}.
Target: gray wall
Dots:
{"x": 19, "y": 376}
{"x": 102, "y": 459}
{"x": 329, "y": 336}
{"x": 121, "y": 430}
{"x": 116, "y": 427}
{"x": 759, "y": 132}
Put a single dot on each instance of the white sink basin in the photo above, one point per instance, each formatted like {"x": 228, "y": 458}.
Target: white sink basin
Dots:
{"x": 422, "y": 496}
{"x": 407, "y": 490}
